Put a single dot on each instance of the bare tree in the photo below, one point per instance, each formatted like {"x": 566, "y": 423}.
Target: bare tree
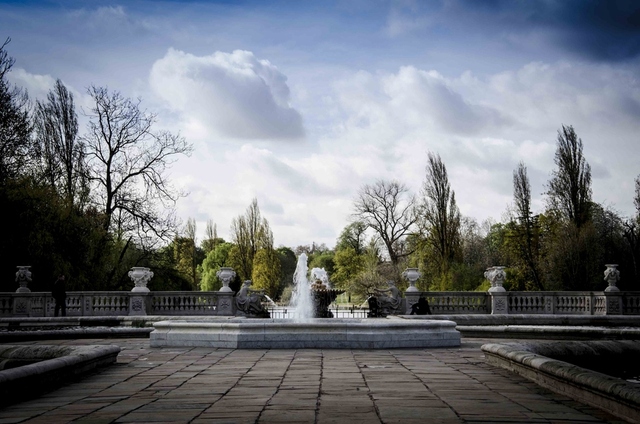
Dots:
{"x": 388, "y": 209}
{"x": 211, "y": 237}
{"x": 61, "y": 153}
{"x": 15, "y": 127}
{"x": 128, "y": 160}
{"x": 632, "y": 231}
{"x": 569, "y": 190}
{"x": 441, "y": 217}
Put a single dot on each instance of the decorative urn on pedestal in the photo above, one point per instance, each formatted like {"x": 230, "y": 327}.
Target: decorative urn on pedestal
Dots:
{"x": 23, "y": 278}
{"x": 141, "y": 277}
{"x": 226, "y": 274}
{"x": 496, "y": 275}
{"x": 612, "y": 276}
{"x": 412, "y": 275}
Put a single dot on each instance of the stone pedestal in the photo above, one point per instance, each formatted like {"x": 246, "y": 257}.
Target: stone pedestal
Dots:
{"x": 411, "y": 298}
{"x": 499, "y": 302}
{"x": 613, "y": 304}
{"x": 139, "y": 303}
{"x": 226, "y": 305}
{"x": 21, "y": 305}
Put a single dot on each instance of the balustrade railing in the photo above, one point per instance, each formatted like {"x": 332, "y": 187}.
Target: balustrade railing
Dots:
{"x": 187, "y": 303}
{"x": 448, "y": 303}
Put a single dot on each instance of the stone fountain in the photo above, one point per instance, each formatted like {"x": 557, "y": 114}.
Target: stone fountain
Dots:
{"x": 312, "y": 326}
{"x": 312, "y": 300}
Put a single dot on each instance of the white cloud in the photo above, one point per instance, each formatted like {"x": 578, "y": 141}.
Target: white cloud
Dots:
{"x": 36, "y": 85}
{"x": 233, "y": 94}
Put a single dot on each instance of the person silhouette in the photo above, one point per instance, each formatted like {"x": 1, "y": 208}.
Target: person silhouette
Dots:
{"x": 59, "y": 293}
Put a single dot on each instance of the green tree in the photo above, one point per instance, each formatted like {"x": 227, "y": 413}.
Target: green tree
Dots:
{"x": 362, "y": 286}
{"x": 214, "y": 260}
{"x": 440, "y": 215}
{"x": 250, "y": 233}
{"x": 348, "y": 265}
{"x": 525, "y": 231}
{"x": 266, "y": 271}
{"x": 354, "y": 236}
{"x": 288, "y": 262}
{"x": 569, "y": 190}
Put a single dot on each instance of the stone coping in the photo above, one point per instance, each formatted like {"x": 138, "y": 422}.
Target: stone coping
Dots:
{"x": 51, "y": 367}
{"x": 536, "y": 319}
{"x": 614, "y": 395}
{"x": 314, "y": 333}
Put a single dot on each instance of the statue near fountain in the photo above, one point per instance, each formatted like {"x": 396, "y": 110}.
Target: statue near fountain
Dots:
{"x": 385, "y": 301}
{"x": 249, "y": 301}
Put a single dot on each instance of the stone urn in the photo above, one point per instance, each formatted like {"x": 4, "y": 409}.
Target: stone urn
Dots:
{"x": 497, "y": 277}
{"x": 226, "y": 274}
{"x": 612, "y": 276}
{"x": 141, "y": 277}
{"x": 412, "y": 275}
{"x": 23, "y": 278}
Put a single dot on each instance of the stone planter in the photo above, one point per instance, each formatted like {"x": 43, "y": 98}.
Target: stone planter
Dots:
{"x": 412, "y": 275}
{"x": 141, "y": 277}
{"x": 226, "y": 274}
{"x": 612, "y": 276}
{"x": 23, "y": 278}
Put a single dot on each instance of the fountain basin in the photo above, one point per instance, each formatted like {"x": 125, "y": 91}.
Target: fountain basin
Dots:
{"x": 313, "y": 333}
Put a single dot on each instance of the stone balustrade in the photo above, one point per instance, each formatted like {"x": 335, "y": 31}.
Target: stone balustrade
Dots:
{"x": 118, "y": 303}
{"x": 193, "y": 303}
{"x": 552, "y": 303}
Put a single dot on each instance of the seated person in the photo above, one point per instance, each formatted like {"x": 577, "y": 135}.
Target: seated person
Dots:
{"x": 421, "y": 307}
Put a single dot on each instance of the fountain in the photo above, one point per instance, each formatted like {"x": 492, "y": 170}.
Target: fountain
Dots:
{"x": 311, "y": 300}
{"x": 311, "y": 327}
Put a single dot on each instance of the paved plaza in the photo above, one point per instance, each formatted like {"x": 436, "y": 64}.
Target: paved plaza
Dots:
{"x": 204, "y": 385}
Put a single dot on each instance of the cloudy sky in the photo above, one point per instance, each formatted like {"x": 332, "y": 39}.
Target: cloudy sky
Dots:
{"x": 299, "y": 104}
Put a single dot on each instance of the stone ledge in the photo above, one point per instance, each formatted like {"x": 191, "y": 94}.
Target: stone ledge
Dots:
{"x": 319, "y": 333}
{"x": 52, "y": 367}
{"x": 611, "y": 394}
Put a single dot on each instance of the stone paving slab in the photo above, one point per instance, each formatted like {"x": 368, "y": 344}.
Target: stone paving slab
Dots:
{"x": 206, "y": 385}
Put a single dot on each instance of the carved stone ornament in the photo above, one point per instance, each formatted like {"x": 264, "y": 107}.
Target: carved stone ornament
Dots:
{"x": 226, "y": 274}
{"x": 23, "y": 278}
{"x": 412, "y": 275}
{"x": 612, "y": 276}
{"x": 141, "y": 277}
